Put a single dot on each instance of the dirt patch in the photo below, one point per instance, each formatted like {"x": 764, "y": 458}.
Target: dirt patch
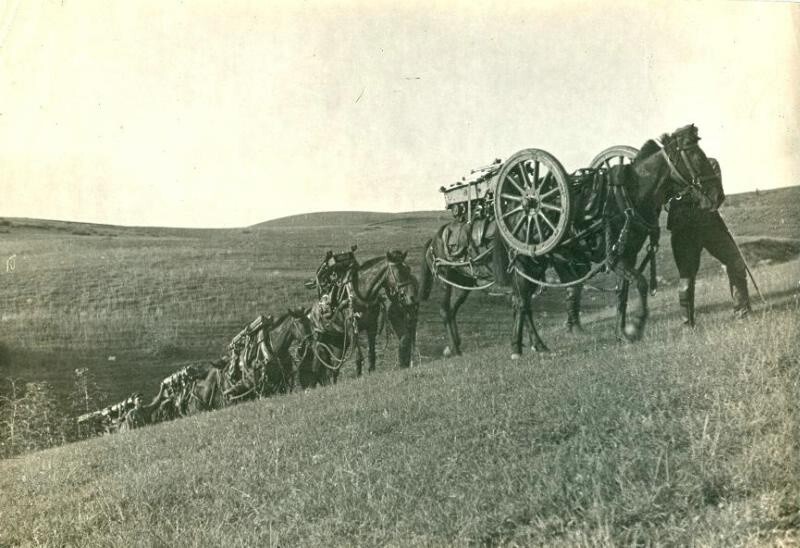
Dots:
{"x": 770, "y": 250}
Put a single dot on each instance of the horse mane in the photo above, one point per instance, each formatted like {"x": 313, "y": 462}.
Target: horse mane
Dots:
{"x": 647, "y": 150}
{"x": 369, "y": 263}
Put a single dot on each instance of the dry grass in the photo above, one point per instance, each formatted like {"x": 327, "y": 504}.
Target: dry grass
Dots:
{"x": 688, "y": 438}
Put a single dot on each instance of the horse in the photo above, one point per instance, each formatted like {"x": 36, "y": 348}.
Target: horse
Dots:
{"x": 634, "y": 195}
{"x": 461, "y": 256}
{"x": 288, "y": 340}
{"x": 352, "y": 302}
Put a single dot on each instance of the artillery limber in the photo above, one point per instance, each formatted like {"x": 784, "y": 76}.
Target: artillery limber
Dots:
{"x": 596, "y": 219}
{"x": 108, "y": 419}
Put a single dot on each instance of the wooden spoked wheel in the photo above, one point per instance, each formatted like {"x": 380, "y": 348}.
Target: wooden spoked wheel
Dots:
{"x": 614, "y": 156}
{"x": 531, "y": 202}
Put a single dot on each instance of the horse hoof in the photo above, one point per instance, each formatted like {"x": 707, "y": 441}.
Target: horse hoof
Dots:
{"x": 632, "y": 333}
{"x": 515, "y": 356}
{"x": 541, "y": 348}
{"x": 447, "y": 352}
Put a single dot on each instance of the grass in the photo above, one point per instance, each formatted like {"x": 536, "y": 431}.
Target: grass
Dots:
{"x": 687, "y": 438}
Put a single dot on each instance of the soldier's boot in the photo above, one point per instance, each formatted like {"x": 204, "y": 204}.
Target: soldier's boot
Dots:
{"x": 574, "y": 309}
{"x": 686, "y": 301}
{"x": 741, "y": 296}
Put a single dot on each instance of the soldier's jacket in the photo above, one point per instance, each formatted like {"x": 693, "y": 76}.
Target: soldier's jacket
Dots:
{"x": 684, "y": 215}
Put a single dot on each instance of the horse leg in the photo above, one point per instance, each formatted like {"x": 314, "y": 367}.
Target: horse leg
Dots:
{"x": 446, "y": 314}
{"x": 574, "y": 309}
{"x": 404, "y": 326}
{"x": 517, "y": 306}
{"x": 359, "y": 355}
{"x": 537, "y": 344}
{"x": 372, "y": 336}
{"x": 460, "y": 299}
{"x": 634, "y": 326}
{"x": 622, "y": 307}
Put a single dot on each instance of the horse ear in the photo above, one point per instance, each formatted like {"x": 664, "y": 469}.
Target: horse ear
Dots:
{"x": 405, "y": 254}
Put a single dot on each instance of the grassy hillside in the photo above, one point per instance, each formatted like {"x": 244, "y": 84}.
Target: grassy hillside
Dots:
{"x": 687, "y": 438}
{"x": 132, "y": 303}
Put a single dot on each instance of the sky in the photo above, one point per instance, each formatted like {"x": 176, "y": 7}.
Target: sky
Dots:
{"x": 226, "y": 114}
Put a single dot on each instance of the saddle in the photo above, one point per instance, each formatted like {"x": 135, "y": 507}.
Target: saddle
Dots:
{"x": 460, "y": 237}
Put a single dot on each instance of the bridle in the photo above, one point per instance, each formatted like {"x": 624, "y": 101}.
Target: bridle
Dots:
{"x": 676, "y": 154}
{"x": 396, "y": 289}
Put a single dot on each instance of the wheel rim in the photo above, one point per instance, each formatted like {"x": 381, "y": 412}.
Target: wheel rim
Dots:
{"x": 531, "y": 201}
{"x": 616, "y": 155}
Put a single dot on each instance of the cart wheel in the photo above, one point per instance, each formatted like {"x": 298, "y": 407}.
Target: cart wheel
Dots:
{"x": 531, "y": 202}
{"x": 616, "y": 155}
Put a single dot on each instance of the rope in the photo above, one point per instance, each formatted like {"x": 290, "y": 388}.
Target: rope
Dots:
{"x": 436, "y": 262}
{"x": 579, "y": 281}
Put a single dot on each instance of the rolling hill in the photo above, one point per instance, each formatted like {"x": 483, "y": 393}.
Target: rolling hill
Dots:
{"x": 689, "y": 437}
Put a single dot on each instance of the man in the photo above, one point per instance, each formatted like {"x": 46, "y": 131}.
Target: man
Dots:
{"x": 693, "y": 230}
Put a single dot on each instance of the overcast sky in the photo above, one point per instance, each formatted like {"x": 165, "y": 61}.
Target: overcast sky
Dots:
{"x": 231, "y": 113}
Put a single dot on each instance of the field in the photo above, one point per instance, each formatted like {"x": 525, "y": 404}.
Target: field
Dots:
{"x": 689, "y": 437}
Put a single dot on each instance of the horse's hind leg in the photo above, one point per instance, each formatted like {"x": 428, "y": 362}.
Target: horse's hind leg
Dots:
{"x": 460, "y": 299}
{"x": 448, "y": 315}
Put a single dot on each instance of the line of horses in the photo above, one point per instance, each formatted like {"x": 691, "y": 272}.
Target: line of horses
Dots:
{"x": 304, "y": 347}
{"x": 307, "y": 346}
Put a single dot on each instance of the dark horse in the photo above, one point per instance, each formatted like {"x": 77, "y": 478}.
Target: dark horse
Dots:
{"x": 461, "y": 257}
{"x": 633, "y": 196}
{"x": 269, "y": 368}
{"x": 353, "y": 298}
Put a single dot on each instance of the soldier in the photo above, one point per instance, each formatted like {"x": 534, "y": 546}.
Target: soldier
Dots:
{"x": 693, "y": 230}
{"x": 135, "y": 417}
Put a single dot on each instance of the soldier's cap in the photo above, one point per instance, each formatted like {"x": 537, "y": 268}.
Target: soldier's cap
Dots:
{"x": 137, "y": 396}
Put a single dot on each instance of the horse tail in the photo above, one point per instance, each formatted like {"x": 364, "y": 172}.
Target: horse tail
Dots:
{"x": 426, "y": 276}
{"x": 500, "y": 262}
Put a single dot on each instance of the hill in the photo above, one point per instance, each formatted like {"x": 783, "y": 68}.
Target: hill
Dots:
{"x": 133, "y": 303}
{"x": 687, "y": 438}
{"x": 349, "y": 218}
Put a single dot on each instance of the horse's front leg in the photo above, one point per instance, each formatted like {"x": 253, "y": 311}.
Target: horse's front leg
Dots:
{"x": 536, "y": 342}
{"x": 634, "y": 325}
{"x": 622, "y": 306}
{"x": 404, "y": 324}
{"x": 372, "y": 336}
{"x": 517, "y": 307}
{"x": 359, "y": 356}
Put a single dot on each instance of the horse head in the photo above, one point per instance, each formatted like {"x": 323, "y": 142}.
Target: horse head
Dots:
{"x": 677, "y": 160}
{"x": 400, "y": 283}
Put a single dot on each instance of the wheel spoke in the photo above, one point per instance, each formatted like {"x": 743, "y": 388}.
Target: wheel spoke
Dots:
{"x": 535, "y": 173}
{"x": 539, "y": 228}
{"x": 551, "y": 207}
{"x": 524, "y": 176}
{"x": 507, "y": 196}
{"x": 543, "y": 216}
{"x": 548, "y": 193}
{"x": 528, "y": 231}
{"x": 512, "y": 212}
{"x": 519, "y": 223}
{"x": 514, "y": 183}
